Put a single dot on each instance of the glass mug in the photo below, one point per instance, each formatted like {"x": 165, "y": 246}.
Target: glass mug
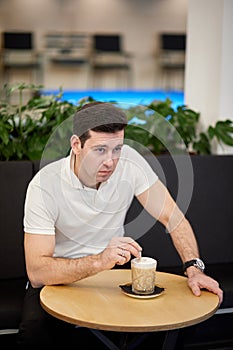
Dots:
{"x": 143, "y": 272}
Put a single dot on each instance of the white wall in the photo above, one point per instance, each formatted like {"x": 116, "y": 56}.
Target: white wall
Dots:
{"x": 139, "y": 21}
{"x": 209, "y": 57}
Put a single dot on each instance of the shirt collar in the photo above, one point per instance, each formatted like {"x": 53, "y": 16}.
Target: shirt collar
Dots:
{"x": 68, "y": 172}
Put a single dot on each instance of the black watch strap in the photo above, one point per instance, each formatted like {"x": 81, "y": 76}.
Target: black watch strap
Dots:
{"x": 198, "y": 263}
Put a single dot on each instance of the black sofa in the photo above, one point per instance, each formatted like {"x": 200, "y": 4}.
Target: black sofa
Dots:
{"x": 14, "y": 178}
{"x": 209, "y": 211}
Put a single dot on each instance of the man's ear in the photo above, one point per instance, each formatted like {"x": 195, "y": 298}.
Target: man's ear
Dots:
{"x": 75, "y": 144}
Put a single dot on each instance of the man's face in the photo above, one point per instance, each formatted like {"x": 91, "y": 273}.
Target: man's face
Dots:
{"x": 99, "y": 156}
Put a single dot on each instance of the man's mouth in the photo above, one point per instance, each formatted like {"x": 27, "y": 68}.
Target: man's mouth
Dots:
{"x": 105, "y": 172}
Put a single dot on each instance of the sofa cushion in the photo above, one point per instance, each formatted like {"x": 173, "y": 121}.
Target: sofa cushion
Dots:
{"x": 209, "y": 212}
{"x": 14, "y": 178}
{"x": 223, "y": 273}
{"x": 12, "y": 293}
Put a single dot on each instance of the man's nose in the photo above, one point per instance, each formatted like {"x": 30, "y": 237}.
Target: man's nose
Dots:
{"x": 109, "y": 159}
{"x": 108, "y": 162}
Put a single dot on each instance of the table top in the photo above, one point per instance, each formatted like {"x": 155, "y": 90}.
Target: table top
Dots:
{"x": 98, "y": 302}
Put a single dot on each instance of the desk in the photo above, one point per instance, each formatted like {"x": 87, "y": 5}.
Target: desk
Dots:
{"x": 98, "y": 303}
{"x": 23, "y": 60}
{"x": 118, "y": 63}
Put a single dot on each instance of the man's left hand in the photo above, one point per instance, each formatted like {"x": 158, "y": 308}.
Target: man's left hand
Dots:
{"x": 198, "y": 280}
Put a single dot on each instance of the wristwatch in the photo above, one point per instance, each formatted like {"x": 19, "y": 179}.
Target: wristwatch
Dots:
{"x": 198, "y": 263}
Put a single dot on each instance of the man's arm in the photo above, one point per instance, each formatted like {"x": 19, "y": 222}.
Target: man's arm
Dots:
{"x": 44, "y": 269}
{"x": 160, "y": 204}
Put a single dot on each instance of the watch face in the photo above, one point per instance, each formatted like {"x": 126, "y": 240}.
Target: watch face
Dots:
{"x": 200, "y": 264}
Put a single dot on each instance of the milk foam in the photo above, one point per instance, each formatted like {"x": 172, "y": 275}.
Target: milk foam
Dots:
{"x": 145, "y": 263}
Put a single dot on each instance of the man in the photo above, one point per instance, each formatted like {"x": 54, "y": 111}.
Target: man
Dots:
{"x": 75, "y": 210}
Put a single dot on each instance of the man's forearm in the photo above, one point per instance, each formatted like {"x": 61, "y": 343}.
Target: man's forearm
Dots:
{"x": 63, "y": 270}
{"x": 184, "y": 240}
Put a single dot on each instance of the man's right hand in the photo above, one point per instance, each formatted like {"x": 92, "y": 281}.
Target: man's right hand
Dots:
{"x": 119, "y": 251}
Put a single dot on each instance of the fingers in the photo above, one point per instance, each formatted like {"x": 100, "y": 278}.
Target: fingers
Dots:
{"x": 195, "y": 289}
{"x": 127, "y": 244}
{"x": 120, "y": 250}
{"x": 123, "y": 256}
{"x": 201, "y": 281}
{"x": 219, "y": 293}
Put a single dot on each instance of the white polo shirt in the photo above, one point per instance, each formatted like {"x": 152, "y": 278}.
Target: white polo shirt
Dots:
{"x": 84, "y": 219}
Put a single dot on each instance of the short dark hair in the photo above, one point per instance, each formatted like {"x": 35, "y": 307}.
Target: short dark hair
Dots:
{"x": 99, "y": 117}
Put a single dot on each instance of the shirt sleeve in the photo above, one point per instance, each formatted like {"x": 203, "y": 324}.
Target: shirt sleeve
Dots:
{"x": 143, "y": 175}
{"x": 39, "y": 209}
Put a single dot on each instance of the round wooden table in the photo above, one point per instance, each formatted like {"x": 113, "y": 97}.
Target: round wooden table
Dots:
{"x": 99, "y": 303}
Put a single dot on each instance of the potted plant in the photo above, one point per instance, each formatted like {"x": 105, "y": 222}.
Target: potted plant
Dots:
{"x": 25, "y": 127}
{"x": 179, "y": 131}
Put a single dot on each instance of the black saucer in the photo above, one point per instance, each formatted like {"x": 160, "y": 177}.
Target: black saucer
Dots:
{"x": 127, "y": 289}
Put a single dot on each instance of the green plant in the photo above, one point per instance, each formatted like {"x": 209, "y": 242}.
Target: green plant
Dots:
{"x": 180, "y": 130}
{"x": 164, "y": 126}
{"x": 26, "y": 127}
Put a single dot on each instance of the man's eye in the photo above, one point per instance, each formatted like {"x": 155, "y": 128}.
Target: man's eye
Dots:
{"x": 100, "y": 149}
{"x": 117, "y": 149}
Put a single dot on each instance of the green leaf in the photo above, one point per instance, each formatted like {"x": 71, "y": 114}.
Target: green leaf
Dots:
{"x": 223, "y": 131}
{"x": 202, "y": 145}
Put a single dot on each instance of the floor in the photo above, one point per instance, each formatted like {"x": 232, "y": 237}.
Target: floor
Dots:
{"x": 89, "y": 340}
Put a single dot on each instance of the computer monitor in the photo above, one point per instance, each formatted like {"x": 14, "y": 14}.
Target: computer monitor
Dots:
{"x": 107, "y": 43}
{"x": 17, "y": 40}
{"x": 173, "y": 42}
